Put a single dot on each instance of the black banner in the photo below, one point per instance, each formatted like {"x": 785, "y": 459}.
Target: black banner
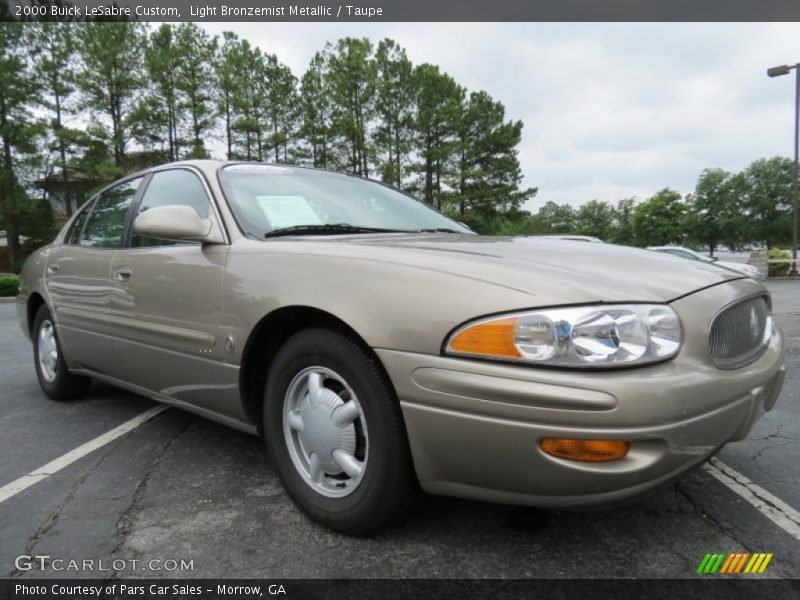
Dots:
{"x": 409, "y": 10}
{"x": 701, "y": 588}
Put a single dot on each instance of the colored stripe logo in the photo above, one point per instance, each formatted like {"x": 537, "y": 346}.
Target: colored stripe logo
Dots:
{"x": 734, "y": 564}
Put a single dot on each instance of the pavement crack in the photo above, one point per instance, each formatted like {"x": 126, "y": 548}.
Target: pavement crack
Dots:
{"x": 716, "y": 523}
{"x": 124, "y": 524}
{"x": 52, "y": 520}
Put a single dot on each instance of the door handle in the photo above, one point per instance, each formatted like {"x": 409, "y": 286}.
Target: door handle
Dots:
{"x": 52, "y": 268}
{"x": 123, "y": 273}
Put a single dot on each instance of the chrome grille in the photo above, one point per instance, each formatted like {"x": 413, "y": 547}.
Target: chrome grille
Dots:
{"x": 740, "y": 333}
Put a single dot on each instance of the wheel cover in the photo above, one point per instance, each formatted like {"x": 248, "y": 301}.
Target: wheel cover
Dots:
{"x": 325, "y": 432}
{"x": 48, "y": 351}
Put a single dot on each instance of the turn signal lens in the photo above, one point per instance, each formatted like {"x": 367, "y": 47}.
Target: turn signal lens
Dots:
{"x": 491, "y": 338}
{"x": 585, "y": 450}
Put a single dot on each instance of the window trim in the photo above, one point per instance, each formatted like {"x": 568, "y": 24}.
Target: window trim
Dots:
{"x": 128, "y": 235}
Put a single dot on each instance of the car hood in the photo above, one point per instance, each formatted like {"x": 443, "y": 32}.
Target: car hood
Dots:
{"x": 555, "y": 271}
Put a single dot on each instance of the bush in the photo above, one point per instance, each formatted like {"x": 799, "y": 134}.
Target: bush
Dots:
{"x": 9, "y": 285}
{"x": 779, "y": 269}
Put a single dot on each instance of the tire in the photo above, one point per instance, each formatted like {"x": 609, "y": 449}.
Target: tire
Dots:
{"x": 348, "y": 502}
{"x": 55, "y": 379}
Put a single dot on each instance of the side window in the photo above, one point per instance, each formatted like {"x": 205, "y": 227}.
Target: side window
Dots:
{"x": 77, "y": 225}
{"x": 176, "y": 186}
{"x": 106, "y": 222}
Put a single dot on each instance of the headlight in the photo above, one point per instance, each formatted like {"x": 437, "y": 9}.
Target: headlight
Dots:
{"x": 585, "y": 336}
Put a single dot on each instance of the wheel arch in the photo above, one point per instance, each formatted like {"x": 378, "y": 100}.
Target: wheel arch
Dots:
{"x": 267, "y": 337}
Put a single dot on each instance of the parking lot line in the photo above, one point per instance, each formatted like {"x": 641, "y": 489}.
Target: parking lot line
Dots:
{"x": 772, "y": 507}
{"x": 43, "y": 472}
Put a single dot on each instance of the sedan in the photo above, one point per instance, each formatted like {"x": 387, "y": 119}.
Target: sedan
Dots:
{"x": 744, "y": 268}
{"x": 380, "y": 347}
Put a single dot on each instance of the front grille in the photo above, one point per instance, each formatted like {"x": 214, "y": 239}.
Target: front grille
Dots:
{"x": 739, "y": 334}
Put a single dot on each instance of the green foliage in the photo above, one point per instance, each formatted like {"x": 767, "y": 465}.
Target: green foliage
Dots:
{"x": 557, "y": 218}
{"x": 112, "y": 76}
{"x": 779, "y": 269}
{"x": 768, "y": 198}
{"x": 595, "y": 218}
{"x": 658, "y": 220}
{"x": 9, "y": 285}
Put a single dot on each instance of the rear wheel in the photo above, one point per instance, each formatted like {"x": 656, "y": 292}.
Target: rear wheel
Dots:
{"x": 336, "y": 434}
{"x": 51, "y": 368}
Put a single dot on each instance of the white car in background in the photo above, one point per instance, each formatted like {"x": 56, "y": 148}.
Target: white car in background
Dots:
{"x": 743, "y": 268}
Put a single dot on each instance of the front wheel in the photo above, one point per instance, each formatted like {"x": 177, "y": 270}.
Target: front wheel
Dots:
{"x": 336, "y": 434}
{"x": 51, "y": 368}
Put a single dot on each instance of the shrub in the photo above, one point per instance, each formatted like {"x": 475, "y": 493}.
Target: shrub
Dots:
{"x": 779, "y": 269}
{"x": 9, "y": 285}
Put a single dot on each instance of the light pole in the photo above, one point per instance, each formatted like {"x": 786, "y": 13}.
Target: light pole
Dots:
{"x": 777, "y": 72}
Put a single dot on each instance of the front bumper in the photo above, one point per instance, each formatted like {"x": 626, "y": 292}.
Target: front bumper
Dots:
{"x": 474, "y": 426}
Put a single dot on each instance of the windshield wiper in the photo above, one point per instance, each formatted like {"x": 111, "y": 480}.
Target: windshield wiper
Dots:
{"x": 330, "y": 228}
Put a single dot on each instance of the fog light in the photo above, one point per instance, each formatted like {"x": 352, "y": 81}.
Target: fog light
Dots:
{"x": 585, "y": 450}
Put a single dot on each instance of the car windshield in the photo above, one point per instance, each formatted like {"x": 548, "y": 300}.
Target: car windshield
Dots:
{"x": 273, "y": 200}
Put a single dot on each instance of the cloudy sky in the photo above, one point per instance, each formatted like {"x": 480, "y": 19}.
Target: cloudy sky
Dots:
{"x": 610, "y": 110}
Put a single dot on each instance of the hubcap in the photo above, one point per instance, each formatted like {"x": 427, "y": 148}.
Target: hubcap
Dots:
{"x": 48, "y": 351}
{"x": 325, "y": 431}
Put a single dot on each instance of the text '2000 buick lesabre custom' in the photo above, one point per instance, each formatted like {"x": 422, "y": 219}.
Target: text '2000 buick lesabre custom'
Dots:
{"x": 379, "y": 346}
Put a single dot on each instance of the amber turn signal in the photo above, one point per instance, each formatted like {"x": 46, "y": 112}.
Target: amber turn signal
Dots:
{"x": 492, "y": 338}
{"x": 585, "y": 450}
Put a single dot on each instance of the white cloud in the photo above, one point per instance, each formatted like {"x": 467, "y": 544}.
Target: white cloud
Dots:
{"x": 610, "y": 110}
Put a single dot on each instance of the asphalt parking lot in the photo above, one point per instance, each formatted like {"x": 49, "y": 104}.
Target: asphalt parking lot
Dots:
{"x": 181, "y": 488}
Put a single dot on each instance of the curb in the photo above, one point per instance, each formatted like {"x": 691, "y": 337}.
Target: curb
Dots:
{"x": 8, "y": 300}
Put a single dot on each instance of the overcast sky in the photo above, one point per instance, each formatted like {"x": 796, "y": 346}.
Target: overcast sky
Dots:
{"x": 610, "y": 110}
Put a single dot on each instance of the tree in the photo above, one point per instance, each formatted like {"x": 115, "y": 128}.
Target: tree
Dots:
{"x": 316, "y": 110}
{"x": 595, "y": 218}
{"x": 196, "y": 50}
{"x": 394, "y": 107}
{"x": 658, "y": 220}
{"x": 351, "y": 85}
{"x": 19, "y": 130}
{"x": 160, "y": 113}
{"x": 280, "y": 96}
{"x": 225, "y": 71}
{"x": 111, "y": 76}
{"x": 622, "y": 225}
{"x": 714, "y": 211}
{"x": 55, "y": 70}
{"x": 768, "y": 201}
{"x": 487, "y": 174}
{"x": 439, "y": 105}
{"x": 557, "y": 218}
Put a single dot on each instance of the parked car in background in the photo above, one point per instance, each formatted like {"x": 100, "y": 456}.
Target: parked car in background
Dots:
{"x": 379, "y": 346}
{"x": 744, "y": 268}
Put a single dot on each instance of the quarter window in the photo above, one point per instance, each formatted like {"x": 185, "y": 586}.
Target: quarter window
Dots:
{"x": 77, "y": 225}
{"x": 106, "y": 222}
{"x": 176, "y": 186}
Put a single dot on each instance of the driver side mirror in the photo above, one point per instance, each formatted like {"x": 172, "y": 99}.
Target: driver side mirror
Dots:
{"x": 177, "y": 222}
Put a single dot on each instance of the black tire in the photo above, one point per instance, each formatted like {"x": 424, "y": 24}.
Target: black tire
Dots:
{"x": 388, "y": 480}
{"x": 65, "y": 385}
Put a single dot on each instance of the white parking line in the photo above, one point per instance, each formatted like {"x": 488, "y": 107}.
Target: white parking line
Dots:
{"x": 775, "y": 509}
{"x": 26, "y": 481}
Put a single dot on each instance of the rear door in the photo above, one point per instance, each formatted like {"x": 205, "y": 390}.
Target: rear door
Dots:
{"x": 166, "y": 306}
{"x": 78, "y": 278}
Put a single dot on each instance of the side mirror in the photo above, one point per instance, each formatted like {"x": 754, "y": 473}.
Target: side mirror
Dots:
{"x": 177, "y": 222}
